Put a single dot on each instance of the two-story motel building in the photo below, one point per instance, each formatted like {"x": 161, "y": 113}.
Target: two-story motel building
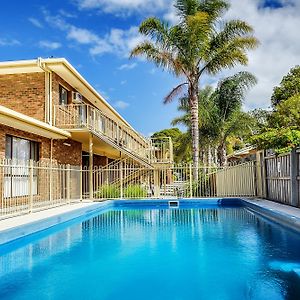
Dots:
{"x": 49, "y": 112}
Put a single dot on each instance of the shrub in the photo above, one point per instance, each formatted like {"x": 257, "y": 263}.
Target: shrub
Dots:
{"x": 135, "y": 191}
{"x": 108, "y": 191}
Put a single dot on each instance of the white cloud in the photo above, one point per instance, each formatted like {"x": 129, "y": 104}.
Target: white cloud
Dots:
{"x": 127, "y": 66}
{"x": 125, "y": 6}
{"x": 277, "y": 30}
{"x": 49, "y": 45}
{"x": 121, "y": 104}
{"x": 9, "y": 42}
{"x": 152, "y": 71}
{"x": 35, "y": 22}
{"x": 123, "y": 82}
{"x": 81, "y": 35}
{"x": 67, "y": 14}
{"x": 117, "y": 41}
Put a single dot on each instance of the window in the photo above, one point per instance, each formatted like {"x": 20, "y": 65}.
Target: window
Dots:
{"x": 63, "y": 96}
{"x": 17, "y": 175}
{"x": 21, "y": 149}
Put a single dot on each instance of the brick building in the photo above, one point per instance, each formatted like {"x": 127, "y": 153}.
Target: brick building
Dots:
{"x": 49, "y": 112}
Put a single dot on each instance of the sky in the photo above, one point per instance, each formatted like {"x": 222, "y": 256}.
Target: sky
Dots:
{"x": 96, "y": 37}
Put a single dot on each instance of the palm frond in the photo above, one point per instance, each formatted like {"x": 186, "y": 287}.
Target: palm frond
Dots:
{"x": 175, "y": 92}
{"x": 161, "y": 58}
{"x": 229, "y": 55}
{"x": 186, "y": 7}
{"x": 156, "y": 29}
{"x": 182, "y": 120}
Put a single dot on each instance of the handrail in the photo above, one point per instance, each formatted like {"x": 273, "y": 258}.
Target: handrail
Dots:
{"x": 86, "y": 116}
{"x": 74, "y": 116}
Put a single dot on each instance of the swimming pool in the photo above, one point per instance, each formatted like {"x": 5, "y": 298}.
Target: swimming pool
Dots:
{"x": 201, "y": 250}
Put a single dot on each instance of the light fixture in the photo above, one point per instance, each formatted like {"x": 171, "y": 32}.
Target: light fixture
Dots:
{"x": 67, "y": 144}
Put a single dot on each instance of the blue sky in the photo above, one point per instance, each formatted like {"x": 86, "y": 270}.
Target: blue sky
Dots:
{"x": 97, "y": 35}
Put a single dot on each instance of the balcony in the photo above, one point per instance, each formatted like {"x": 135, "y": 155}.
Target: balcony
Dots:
{"x": 86, "y": 118}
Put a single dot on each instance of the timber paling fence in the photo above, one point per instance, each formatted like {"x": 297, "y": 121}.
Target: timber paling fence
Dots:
{"x": 278, "y": 177}
{"x": 28, "y": 186}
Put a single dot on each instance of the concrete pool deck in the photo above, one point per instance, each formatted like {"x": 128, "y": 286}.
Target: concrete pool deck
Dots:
{"x": 285, "y": 215}
{"x": 17, "y": 227}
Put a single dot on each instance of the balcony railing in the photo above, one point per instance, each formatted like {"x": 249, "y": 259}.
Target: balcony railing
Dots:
{"x": 77, "y": 116}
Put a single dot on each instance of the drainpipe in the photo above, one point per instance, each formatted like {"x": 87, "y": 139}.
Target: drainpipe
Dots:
{"x": 48, "y": 91}
{"x": 51, "y": 170}
{"x": 91, "y": 167}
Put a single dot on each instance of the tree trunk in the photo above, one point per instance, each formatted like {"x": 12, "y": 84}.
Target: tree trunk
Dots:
{"x": 193, "y": 97}
{"x": 209, "y": 156}
{"x": 222, "y": 157}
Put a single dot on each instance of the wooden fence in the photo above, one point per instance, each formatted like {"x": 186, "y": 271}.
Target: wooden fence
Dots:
{"x": 278, "y": 177}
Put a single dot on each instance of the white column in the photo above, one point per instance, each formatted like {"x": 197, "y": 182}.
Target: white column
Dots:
{"x": 91, "y": 187}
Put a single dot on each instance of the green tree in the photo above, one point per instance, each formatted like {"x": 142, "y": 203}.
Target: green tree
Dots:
{"x": 282, "y": 131}
{"x": 173, "y": 133}
{"x": 260, "y": 117}
{"x": 289, "y": 86}
{"x": 229, "y": 118}
{"x": 221, "y": 115}
{"x": 177, "y": 137}
{"x": 199, "y": 44}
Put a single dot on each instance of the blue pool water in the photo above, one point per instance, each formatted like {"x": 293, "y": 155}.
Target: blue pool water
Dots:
{"x": 192, "y": 253}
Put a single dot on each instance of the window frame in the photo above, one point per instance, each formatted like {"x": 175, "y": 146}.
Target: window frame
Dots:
{"x": 18, "y": 171}
{"x": 60, "y": 90}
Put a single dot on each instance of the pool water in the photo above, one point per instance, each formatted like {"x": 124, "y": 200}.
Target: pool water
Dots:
{"x": 195, "y": 253}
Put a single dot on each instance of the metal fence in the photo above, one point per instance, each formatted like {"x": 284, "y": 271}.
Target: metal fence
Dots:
{"x": 132, "y": 182}
{"x": 27, "y": 186}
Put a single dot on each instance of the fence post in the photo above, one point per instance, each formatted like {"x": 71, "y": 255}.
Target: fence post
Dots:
{"x": 91, "y": 168}
{"x": 191, "y": 181}
{"x": 68, "y": 183}
{"x": 50, "y": 181}
{"x": 30, "y": 186}
{"x": 80, "y": 183}
{"x": 262, "y": 169}
{"x": 121, "y": 179}
{"x": 294, "y": 179}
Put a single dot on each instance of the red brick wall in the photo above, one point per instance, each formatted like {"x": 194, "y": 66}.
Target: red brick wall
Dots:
{"x": 56, "y": 81}
{"x": 65, "y": 154}
{"x": 24, "y": 93}
{"x": 100, "y": 160}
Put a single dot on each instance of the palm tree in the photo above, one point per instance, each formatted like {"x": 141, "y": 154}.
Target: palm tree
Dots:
{"x": 221, "y": 114}
{"x": 199, "y": 44}
{"x": 230, "y": 120}
{"x": 206, "y": 122}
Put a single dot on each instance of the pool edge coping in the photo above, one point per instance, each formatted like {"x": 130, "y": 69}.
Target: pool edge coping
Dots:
{"x": 255, "y": 205}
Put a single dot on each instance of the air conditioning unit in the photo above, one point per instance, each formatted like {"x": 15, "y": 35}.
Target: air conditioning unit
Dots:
{"x": 76, "y": 98}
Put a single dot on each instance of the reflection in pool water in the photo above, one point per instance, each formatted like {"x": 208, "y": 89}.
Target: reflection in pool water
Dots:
{"x": 201, "y": 253}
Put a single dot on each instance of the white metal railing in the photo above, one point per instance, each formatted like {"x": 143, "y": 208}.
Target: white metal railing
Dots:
{"x": 74, "y": 116}
{"x": 129, "y": 182}
{"x": 27, "y": 186}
